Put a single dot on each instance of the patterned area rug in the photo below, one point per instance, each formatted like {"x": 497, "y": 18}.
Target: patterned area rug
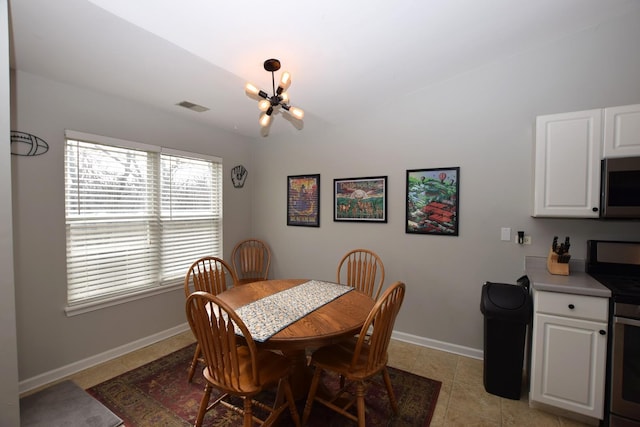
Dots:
{"x": 158, "y": 394}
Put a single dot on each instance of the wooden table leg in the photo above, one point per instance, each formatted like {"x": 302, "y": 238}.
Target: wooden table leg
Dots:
{"x": 301, "y": 373}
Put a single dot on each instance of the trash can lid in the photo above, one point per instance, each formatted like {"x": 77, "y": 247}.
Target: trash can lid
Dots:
{"x": 507, "y": 297}
{"x": 506, "y": 302}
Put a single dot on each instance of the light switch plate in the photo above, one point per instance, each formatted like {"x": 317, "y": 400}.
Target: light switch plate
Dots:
{"x": 505, "y": 234}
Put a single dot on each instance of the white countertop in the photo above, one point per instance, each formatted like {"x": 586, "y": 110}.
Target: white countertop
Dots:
{"x": 577, "y": 282}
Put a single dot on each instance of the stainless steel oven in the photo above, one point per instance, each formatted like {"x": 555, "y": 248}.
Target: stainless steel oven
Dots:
{"x": 617, "y": 266}
{"x": 625, "y": 364}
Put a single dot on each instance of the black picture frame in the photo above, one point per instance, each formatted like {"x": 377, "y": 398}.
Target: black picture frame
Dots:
{"x": 433, "y": 201}
{"x": 360, "y": 199}
{"x": 303, "y": 200}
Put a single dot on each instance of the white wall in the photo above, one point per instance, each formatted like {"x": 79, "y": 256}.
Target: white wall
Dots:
{"x": 46, "y": 108}
{"x": 481, "y": 121}
{"x": 9, "y": 407}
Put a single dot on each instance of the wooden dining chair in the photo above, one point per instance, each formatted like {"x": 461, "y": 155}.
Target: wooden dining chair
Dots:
{"x": 234, "y": 365}
{"x": 358, "y": 359}
{"x": 208, "y": 274}
{"x": 251, "y": 260}
{"x": 362, "y": 269}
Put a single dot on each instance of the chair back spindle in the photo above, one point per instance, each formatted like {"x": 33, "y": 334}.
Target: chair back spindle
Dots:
{"x": 251, "y": 260}
{"x": 363, "y": 270}
{"x": 209, "y": 274}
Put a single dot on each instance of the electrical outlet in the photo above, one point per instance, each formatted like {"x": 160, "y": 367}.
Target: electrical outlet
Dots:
{"x": 527, "y": 240}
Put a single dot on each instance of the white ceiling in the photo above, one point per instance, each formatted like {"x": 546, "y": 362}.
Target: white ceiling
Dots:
{"x": 345, "y": 57}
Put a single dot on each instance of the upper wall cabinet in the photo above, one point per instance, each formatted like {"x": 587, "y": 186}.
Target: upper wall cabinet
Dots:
{"x": 621, "y": 131}
{"x": 568, "y": 150}
{"x": 567, "y": 165}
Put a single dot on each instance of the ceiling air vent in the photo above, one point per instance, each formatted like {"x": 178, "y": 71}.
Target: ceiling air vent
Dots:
{"x": 192, "y": 106}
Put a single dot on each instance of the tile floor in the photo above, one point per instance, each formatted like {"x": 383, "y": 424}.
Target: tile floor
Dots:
{"x": 462, "y": 401}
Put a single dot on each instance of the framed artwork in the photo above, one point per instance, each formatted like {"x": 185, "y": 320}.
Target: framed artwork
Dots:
{"x": 303, "y": 200}
{"x": 432, "y": 201}
{"x": 360, "y": 199}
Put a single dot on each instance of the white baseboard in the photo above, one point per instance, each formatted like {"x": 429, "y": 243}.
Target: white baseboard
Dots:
{"x": 75, "y": 367}
{"x": 439, "y": 345}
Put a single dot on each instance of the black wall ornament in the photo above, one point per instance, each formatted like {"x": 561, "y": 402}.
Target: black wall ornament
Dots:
{"x": 238, "y": 176}
{"x": 25, "y": 144}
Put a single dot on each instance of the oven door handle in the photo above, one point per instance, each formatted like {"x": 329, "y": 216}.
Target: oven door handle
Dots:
{"x": 625, "y": 321}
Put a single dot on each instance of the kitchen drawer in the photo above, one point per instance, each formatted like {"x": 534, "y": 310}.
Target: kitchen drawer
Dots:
{"x": 571, "y": 305}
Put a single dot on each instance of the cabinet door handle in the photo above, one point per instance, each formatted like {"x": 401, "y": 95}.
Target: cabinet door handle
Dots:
{"x": 571, "y": 306}
{"x": 594, "y": 209}
{"x": 602, "y": 332}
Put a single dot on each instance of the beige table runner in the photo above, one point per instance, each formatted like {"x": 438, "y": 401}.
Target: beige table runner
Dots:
{"x": 268, "y": 316}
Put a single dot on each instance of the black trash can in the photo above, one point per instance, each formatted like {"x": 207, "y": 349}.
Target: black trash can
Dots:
{"x": 507, "y": 311}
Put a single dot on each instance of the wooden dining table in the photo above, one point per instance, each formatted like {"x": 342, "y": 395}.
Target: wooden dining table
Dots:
{"x": 340, "y": 318}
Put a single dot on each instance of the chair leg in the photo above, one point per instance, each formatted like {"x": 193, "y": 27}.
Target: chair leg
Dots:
{"x": 392, "y": 397}
{"x": 291, "y": 401}
{"x": 194, "y": 362}
{"x": 203, "y": 404}
{"x": 248, "y": 412}
{"x": 280, "y": 395}
{"x": 360, "y": 403}
{"x": 312, "y": 395}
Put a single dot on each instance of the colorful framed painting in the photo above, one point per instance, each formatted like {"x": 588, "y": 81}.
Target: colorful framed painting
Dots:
{"x": 360, "y": 199}
{"x": 303, "y": 200}
{"x": 433, "y": 201}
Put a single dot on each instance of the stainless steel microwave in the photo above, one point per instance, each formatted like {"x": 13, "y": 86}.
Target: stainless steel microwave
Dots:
{"x": 620, "y": 188}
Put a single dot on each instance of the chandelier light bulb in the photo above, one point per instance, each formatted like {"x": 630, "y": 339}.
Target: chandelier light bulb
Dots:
{"x": 264, "y": 104}
{"x": 251, "y": 89}
{"x": 285, "y": 97}
{"x": 296, "y": 112}
{"x": 265, "y": 119}
{"x": 285, "y": 82}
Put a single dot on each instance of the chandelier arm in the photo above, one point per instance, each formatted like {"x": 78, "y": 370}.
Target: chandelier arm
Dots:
{"x": 273, "y": 83}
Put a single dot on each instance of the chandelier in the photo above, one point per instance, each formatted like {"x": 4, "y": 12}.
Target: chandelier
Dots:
{"x": 280, "y": 98}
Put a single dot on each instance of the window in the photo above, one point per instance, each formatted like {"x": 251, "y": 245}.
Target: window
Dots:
{"x": 137, "y": 216}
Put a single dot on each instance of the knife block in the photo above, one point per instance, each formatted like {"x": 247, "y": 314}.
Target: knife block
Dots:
{"x": 555, "y": 267}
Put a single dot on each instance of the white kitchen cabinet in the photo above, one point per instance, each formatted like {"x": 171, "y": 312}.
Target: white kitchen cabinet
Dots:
{"x": 567, "y": 165}
{"x": 569, "y": 346}
{"x": 621, "y": 131}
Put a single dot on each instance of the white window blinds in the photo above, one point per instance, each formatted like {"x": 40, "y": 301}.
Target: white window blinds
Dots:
{"x": 137, "y": 216}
